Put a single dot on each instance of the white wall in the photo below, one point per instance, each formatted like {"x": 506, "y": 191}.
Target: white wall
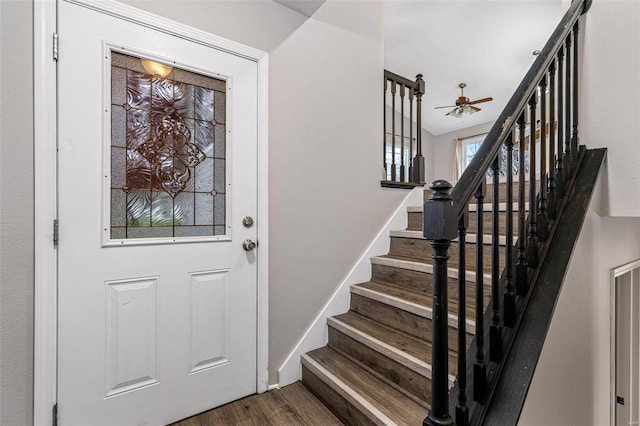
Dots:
{"x": 326, "y": 200}
{"x": 262, "y": 24}
{"x": 16, "y": 212}
{"x": 571, "y": 384}
{"x": 444, "y": 148}
{"x": 610, "y": 69}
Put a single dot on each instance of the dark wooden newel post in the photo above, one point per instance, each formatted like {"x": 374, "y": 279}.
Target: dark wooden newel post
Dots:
{"x": 418, "y": 160}
{"x": 440, "y": 227}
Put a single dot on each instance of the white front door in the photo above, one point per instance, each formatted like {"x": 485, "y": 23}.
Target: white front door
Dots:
{"x": 157, "y": 169}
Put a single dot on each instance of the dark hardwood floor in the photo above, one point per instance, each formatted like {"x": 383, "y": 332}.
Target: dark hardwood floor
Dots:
{"x": 290, "y": 405}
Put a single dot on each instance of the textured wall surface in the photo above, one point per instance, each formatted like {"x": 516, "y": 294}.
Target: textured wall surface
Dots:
{"x": 16, "y": 213}
{"x": 610, "y": 65}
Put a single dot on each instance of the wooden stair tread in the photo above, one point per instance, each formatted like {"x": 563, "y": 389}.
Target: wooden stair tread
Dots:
{"x": 397, "y": 292}
{"x": 425, "y": 301}
{"x": 471, "y": 238}
{"x": 420, "y": 250}
{"x": 403, "y": 342}
{"x": 381, "y": 401}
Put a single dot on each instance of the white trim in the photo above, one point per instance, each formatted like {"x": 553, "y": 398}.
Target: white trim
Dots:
{"x": 45, "y": 131}
{"x": 615, "y": 273}
{"x": 45, "y": 193}
{"x": 263, "y": 224}
{"x": 168, "y": 26}
{"x": 317, "y": 335}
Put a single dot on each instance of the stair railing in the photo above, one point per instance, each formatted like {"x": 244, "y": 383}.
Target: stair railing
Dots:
{"x": 409, "y": 171}
{"x": 549, "y": 91}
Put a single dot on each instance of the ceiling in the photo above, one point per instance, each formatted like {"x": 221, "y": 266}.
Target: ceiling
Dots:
{"x": 306, "y": 7}
{"x": 486, "y": 44}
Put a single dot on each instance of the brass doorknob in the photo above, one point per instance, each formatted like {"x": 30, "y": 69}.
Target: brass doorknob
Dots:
{"x": 248, "y": 245}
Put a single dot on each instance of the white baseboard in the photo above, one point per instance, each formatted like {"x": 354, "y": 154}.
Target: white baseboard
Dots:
{"x": 316, "y": 335}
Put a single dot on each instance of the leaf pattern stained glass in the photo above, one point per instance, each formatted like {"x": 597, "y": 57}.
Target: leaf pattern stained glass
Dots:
{"x": 168, "y": 165}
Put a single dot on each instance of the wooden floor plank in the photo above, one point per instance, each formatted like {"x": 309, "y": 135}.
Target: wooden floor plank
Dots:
{"x": 290, "y": 405}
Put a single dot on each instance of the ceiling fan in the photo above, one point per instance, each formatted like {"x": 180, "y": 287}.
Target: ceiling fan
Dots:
{"x": 463, "y": 104}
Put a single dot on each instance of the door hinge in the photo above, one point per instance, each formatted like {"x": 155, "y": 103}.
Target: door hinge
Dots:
{"x": 54, "y": 415}
{"x": 55, "y": 232}
{"x": 55, "y": 46}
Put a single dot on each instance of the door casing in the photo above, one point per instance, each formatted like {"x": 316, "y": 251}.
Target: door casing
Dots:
{"x": 45, "y": 143}
{"x": 614, "y": 274}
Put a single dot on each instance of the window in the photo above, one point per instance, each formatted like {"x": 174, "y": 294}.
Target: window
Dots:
{"x": 167, "y": 151}
{"x": 466, "y": 149}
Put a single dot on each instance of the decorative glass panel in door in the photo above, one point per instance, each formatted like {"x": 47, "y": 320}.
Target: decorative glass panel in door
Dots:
{"x": 168, "y": 151}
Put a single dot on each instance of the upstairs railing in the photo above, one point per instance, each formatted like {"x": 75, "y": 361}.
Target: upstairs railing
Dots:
{"x": 402, "y": 160}
{"x": 549, "y": 92}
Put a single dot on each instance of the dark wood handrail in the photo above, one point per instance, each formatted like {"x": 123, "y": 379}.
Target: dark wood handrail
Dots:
{"x": 400, "y": 79}
{"x": 475, "y": 171}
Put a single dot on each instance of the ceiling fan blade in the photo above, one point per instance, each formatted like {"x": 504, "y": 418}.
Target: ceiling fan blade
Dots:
{"x": 479, "y": 101}
{"x": 476, "y": 109}
{"x": 447, "y": 106}
{"x": 453, "y": 112}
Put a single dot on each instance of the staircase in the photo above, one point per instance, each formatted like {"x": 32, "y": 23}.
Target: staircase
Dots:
{"x": 376, "y": 368}
{"x": 410, "y": 351}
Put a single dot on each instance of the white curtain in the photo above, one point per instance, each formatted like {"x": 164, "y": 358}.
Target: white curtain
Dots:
{"x": 457, "y": 167}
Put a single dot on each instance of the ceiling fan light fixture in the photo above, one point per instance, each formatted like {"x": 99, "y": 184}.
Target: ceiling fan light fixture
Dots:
{"x": 464, "y": 105}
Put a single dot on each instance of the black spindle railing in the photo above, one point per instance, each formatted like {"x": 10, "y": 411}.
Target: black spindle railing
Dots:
{"x": 546, "y": 159}
{"x": 402, "y": 160}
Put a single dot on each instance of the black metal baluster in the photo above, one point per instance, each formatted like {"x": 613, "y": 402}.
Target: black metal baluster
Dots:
{"x": 411, "y": 124}
{"x": 479, "y": 367}
{"x": 495, "y": 332}
{"x": 521, "y": 266}
{"x": 509, "y": 292}
{"x": 560, "y": 175}
{"x": 384, "y": 133}
{"x": 551, "y": 203}
{"x": 462, "y": 411}
{"x": 568, "y": 167}
{"x": 574, "y": 138}
{"x": 542, "y": 197}
{"x": 402, "y": 142}
{"x": 532, "y": 239}
{"x": 393, "y": 131}
{"x": 440, "y": 227}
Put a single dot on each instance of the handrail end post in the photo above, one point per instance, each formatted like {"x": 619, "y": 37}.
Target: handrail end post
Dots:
{"x": 440, "y": 227}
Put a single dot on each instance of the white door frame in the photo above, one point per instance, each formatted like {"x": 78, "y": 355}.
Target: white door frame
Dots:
{"x": 615, "y": 273}
{"x": 45, "y": 132}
